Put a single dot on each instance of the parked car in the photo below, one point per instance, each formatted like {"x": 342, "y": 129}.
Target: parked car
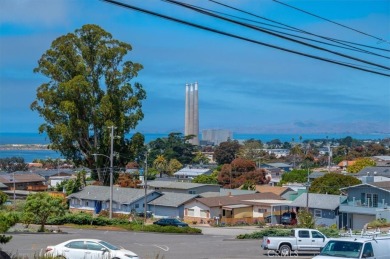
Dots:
{"x": 356, "y": 247}
{"x": 170, "y": 222}
{"x": 88, "y": 248}
{"x": 300, "y": 240}
{"x": 149, "y": 214}
{"x": 288, "y": 218}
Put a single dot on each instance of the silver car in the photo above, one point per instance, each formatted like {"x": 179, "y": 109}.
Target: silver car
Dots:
{"x": 88, "y": 249}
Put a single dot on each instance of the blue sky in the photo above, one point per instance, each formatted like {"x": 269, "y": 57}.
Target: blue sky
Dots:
{"x": 243, "y": 87}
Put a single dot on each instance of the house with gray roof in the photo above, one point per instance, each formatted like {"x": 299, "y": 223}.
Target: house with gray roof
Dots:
{"x": 93, "y": 199}
{"x": 227, "y": 192}
{"x": 182, "y": 187}
{"x": 324, "y": 207}
{"x": 366, "y": 202}
{"x": 374, "y": 171}
{"x": 283, "y": 166}
{"x": 191, "y": 172}
{"x": 170, "y": 204}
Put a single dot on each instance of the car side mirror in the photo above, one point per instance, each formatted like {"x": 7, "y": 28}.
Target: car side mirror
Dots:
{"x": 104, "y": 250}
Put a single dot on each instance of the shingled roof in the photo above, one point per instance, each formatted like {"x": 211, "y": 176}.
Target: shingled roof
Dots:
{"x": 171, "y": 199}
{"x": 318, "y": 201}
{"x": 242, "y": 199}
{"x": 102, "y": 193}
{"x": 21, "y": 178}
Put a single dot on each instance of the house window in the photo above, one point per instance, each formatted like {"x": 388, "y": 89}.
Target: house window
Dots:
{"x": 203, "y": 213}
{"x": 124, "y": 206}
{"x": 86, "y": 203}
{"x": 262, "y": 210}
{"x": 318, "y": 213}
{"x": 372, "y": 199}
{"x": 191, "y": 212}
{"x": 137, "y": 206}
{"x": 192, "y": 192}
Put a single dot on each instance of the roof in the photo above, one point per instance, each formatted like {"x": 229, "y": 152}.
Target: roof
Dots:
{"x": 316, "y": 174}
{"x": 375, "y": 171}
{"x": 176, "y": 185}
{"x": 278, "y": 190}
{"x": 21, "y": 177}
{"x": 102, "y": 193}
{"x": 226, "y": 192}
{"x": 318, "y": 201}
{"x": 192, "y": 171}
{"x": 385, "y": 185}
{"x": 51, "y": 172}
{"x": 3, "y": 186}
{"x": 346, "y": 163}
{"x": 382, "y": 158}
{"x": 171, "y": 199}
{"x": 278, "y": 165}
{"x": 237, "y": 199}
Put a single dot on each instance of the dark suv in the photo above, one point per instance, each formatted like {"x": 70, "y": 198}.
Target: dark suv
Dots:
{"x": 287, "y": 218}
{"x": 170, "y": 222}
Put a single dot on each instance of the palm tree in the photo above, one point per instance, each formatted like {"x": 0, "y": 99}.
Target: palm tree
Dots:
{"x": 160, "y": 164}
{"x": 295, "y": 150}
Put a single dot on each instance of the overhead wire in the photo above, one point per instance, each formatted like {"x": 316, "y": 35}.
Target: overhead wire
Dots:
{"x": 325, "y": 19}
{"x": 194, "y": 8}
{"x": 238, "y": 37}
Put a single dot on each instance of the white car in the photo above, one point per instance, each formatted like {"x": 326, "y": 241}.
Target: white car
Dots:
{"x": 88, "y": 249}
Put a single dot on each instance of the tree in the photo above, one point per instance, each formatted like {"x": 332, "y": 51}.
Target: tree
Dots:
{"x": 207, "y": 179}
{"x": 200, "y": 158}
{"x": 42, "y": 206}
{"x": 175, "y": 146}
{"x": 7, "y": 220}
{"x": 296, "y": 151}
{"x": 88, "y": 90}
{"x": 3, "y": 198}
{"x": 305, "y": 219}
{"x": 72, "y": 185}
{"x": 160, "y": 163}
{"x": 360, "y": 164}
{"x": 12, "y": 164}
{"x": 294, "y": 176}
{"x": 226, "y": 152}
{"x": 173, "y": 166}
{"x": 251, "y": 149}
{"x": 331, "y": 183}
{"x": 128, "y": 180}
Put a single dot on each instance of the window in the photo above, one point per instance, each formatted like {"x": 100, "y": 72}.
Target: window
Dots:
{"x": 137, "y": 206}
{"x": 262, "y": 210}
{"x": 318, "y": 213}
{"x": 304, "y": 234}
{"x": 124, "y": 206}
{"x": 368, "y": 251}
{"x": 76, "y": 245}
{"x": 94, "y": 246}
{"x": 192, "y": 192}
{"x": 316, "y": 234}
{"x": 203, "y": 213}
{"x": 191, "y": 212}
{"x": 86, "y": 203}
{"x": 372, "y": 199}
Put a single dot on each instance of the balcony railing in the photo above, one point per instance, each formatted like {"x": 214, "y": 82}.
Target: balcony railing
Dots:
{"x": 36, "y": 188}
{"x": 365, "y": 204}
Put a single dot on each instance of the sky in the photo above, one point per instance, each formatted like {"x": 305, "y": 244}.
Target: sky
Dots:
{"x": 243, "y": 86}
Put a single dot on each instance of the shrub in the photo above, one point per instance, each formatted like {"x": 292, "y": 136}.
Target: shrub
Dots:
{"x": 379, "y": 223}
{"x": 329, "y": 232}
{"x": 269, "y": 232}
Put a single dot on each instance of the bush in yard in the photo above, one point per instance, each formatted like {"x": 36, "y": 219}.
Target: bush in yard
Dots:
{"x": 329, "y": 232}
{"x": 379, "y": 223}
{"x": 269, "y": 232}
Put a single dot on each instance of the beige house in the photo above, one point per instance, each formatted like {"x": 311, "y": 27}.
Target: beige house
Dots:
{"x": 248, "y": 208}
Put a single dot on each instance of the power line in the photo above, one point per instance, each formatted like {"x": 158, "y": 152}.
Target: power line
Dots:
{"x": 192, "y": 7}
{"x": 325, "y": 19}
{"x": 238, "y": 37}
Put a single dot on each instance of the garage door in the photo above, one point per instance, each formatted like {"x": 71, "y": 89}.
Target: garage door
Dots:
{"x": 360, "y": 220}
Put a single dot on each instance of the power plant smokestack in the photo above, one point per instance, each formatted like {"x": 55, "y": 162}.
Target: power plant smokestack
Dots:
{"x": 191, "y": 126}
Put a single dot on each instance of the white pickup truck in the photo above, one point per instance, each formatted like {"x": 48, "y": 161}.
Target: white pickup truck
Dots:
{"x": 300, "y": 240}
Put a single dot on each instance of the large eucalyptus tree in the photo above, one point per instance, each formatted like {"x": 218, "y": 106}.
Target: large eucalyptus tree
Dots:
{"x": 88, "y": 90}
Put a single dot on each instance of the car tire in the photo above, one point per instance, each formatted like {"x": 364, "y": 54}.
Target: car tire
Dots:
{"x": 285, "y": 250}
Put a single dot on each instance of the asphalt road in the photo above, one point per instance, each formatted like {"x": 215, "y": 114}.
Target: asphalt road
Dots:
{"x": 214, "y": 243}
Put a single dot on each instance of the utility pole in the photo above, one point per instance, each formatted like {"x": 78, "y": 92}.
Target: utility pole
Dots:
{"x": 146, "y": 185}
{"x": 111, "y": 169}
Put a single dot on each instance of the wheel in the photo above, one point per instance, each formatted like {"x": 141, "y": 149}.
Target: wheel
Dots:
{"x": 284, "y": 250}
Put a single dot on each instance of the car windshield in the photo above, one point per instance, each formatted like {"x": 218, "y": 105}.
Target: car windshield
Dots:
{"x": 109, "y": 246}
{"x": 338, "y": 248}
{"x": 175, "y": 221}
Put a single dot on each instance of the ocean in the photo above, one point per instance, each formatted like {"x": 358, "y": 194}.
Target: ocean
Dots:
{"x": 35, "y": 138}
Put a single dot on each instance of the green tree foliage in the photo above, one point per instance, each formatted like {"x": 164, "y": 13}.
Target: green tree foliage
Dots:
{"x": 7, "y": 220}
{"x": 42, "y": 206}
{"x": 207, "y": 179}
{"x": 331, "y": 183}
{"x": 226, "y": 152}
{"x": 72, "y": 185}
{"x": 360, "y": 164}
{"x": 161, "y": 164}
{"x": 294, "y": 176}
{"x": 173, "y": 166}
{"x": 175, "y": 146}
{"x": 200, "y": 158}
{"x": 88, "y": 90}
{"x": 305, "y": 219}
{"x": 12, "y": 164}
{"x": 3, "y": 198}
{"x": 251, "y": 149}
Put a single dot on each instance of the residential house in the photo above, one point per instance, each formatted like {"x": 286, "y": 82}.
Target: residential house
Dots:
{"x": 282, "y": 166}
{"x": 316, "y": 174}
{"x": 3, "y": 186}
{"x": 22, "y": 180}
{"x": 92, "y": 199}
{"x": 324, "y": 207}
{"x": 345, "y": 164}
{"x": 382, "y": 160}
{"x": 379, "y": 173}
{"x": 226, "y": 192}
{"x": 182, "y": 187}
{"x": 366, "y": 202}
{"x": 191, "y": 172}
{"x": 170, "y": 204}
{"x": 283, "y": 192}
{"x": 231, "y": 209}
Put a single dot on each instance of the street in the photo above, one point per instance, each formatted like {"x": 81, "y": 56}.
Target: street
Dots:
{"x": 214, "y": 243}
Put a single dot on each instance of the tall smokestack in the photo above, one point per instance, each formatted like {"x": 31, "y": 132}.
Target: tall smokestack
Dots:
{"x": 191, "y": 126}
